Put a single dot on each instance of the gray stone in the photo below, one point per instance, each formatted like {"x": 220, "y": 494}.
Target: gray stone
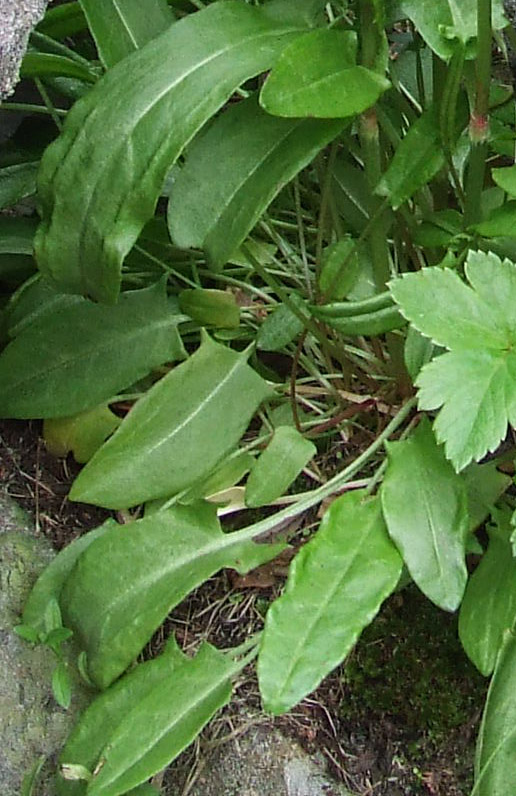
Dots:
{"x": 32, "y": 725}
{"x": 262, "y": 762}
{"x": 17, "y": 19}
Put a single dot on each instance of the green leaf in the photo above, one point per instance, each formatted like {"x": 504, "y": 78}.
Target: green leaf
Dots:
{"x": 495, "y": 765}
{"x": 17, "y": 182}
{"x": 30, "y": 779}
{"x": 281, "y": 326}
{"x": 336, "y": 585}
{"x": 130, "y": 129}
{"x": 210, "y": 307}
{"x": 167, "y": 719}
{"x": 317, "y": 76}
{"x": 342, "y": 263}
{"x": 489, "y": 605}
{"x": 80, "y": 355}
{"x": 418, "y": 351}
{"x": 110, "y": 709}
{"x": 484, "y": 485}
{"x": 278, "y": 466}
{"x": 177, "y": 433}
{"x": 500, "y": 222}
{"x": 425, "y": 507}
{"x": 506, "y": 179}
{"x": 34, "y": 299}
{"x": 61, "y": 686}
{"x": 49, "y": 584}
{"x": 27, "y": 633}
{"x": 63, "y": 21}
{"x": 121, "y": 28}
{"x": 229, "y": 473}
{"x": 82, "y": 434}
{"x": 441, "y": 21}
{"x": 233, "y": 172}
{"x": 17, "y": 235}
{"x": 474, "y": 382}
{"x": 126, "y": 583}
{"x": 417, "y": 160}
{"x": 44, "y": 65}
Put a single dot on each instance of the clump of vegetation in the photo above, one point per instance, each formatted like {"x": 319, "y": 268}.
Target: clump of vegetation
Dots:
{"x": 269, "y": 231}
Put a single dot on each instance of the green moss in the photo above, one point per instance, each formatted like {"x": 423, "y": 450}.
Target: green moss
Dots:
{"x": 409, "y": 668}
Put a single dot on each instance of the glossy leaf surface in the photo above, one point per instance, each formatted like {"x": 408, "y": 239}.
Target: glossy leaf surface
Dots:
{"x": 278, "y": 466}
{"x": 120, "y": 27}
{"x": 234, "y": 171}
{"x": 177, "y": 433}
{"x": 317, "y": 76}
{"x": 80, "y": 355}
{"x": 425, "y": 506}
{"x": 126, "y": 583}
{"x": 489, "y": 605}
{"x": 475, "y": 381}
{"x": 130, "y": 129}
{"x": 327, "y": 601}
{"x": 495, "y": 765}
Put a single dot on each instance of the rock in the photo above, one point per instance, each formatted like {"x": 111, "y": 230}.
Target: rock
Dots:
{"x": 262, "y": 762}
{"x": 31, "y": 723}
{"x": 17, "y": 19}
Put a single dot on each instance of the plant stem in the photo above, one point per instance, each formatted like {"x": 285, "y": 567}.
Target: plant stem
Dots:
{"x": 274, "y": 523}
{"x": 479, "y": 120}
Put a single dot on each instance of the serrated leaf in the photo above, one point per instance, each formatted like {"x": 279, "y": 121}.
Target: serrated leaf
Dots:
{"x": 127, "y": 581}
{"x": 233, "y": 172}
{"x": 317, "y": 76}
{"x": 121, "y": 28}
{"x": 489, "y": 606}
{"x": 327, "y": 601}
{"x": 418, "y": 158}
{"x": 17, "y": 182}
{"x": 425, "y": 507}
{"x": 177, "y": 433}
{"x": 441, "y": 21}
{"x": 495, "y": 764}
{"x": 164, "y": 722}
{"x": 210, "y": 307}
{"x": 129, "y": 130}
{"x": 474, "y": 382}
{"x": 82, "y": 434}
{"x": 61, "y": 686}
{"x": 49, "y": 584}
{"x": 80, "y": 355}
{"x": 278, "y": 466}
{"x": 109, "y": 710}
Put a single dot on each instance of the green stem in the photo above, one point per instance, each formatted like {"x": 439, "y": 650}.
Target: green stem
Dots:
{"x": 270, "y": 524}
{"x": 479, "y": 120}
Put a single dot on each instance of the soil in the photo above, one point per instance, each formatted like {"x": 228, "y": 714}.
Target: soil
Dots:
{"x": 399, "y": 717}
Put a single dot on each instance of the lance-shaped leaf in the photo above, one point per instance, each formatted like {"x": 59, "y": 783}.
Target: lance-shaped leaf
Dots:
{"x": 83, "y": 434}
{"x": 36, "y": 298}
{"x": 177, "y": 433}
{"x": 418, "y": 158}
{"x": 336, "y": 584}
{"x": 317, "y": 75}
{"x": 441, "y": 21}
{"x": 106, "y": 713}
{"x": 48, "y": 586}
{"x": 126, "y": 582}
{"x": 234, "y": 171}
{"x": 121, "y": 28}
{"x": 17, "y": 181}
{"x": 425, "y": 506}
{"x": 278, "y": 466}
{"x": 475, "y": 381}
{"x": 167, "y": 719}
{"x": 80, "y": 355}
{"x": 489, "y": 605}
{"x": 99, "y": 182}
{"x": 495, "y": 764}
